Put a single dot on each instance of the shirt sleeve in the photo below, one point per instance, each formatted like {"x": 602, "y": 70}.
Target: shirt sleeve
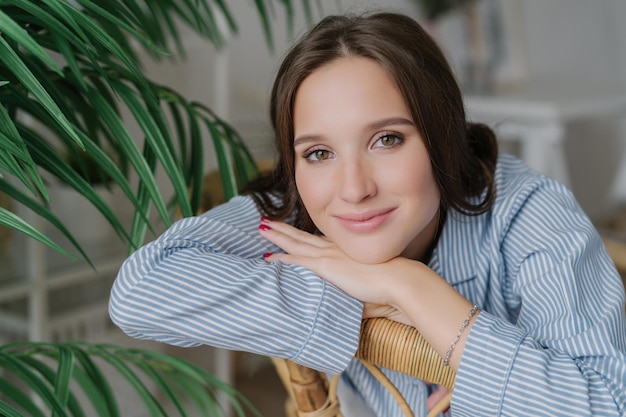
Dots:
{"x": 563, "y": 354}
{"x": 204, "y": 281}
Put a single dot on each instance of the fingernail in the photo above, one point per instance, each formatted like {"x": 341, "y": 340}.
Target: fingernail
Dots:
{"x": 446, "y": 410}
{"x": 264, "y": 227}
{"x": 265, "y": 220}
{"x": 267, "y": 254}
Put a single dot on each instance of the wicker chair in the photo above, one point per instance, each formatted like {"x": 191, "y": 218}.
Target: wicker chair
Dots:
{"x": 383, "y": 343}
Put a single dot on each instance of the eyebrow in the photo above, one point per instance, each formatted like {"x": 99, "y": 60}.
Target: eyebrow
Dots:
{"x": 378, "y": 124}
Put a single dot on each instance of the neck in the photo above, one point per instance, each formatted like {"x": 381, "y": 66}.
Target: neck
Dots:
{"x": 427, "y": 241}
{"x": 441, "y": 219}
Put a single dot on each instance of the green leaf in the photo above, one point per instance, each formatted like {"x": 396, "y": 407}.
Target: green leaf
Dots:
{"x": 265, "y": 23}
{"x": 94, "y": 384}
{"x": 64, "y": 375}
{"x": 70, "y": 402}
{"x": 160, "y": 142}
{"x": 221, "y": 5}
{"x": 32, "y": 380}
{"x": 164, "y": 386}
{"x": 139, "y": 225}
{"x": 11, "y": 220}
{"x": 47, "y": 158}
{"x": 130, "y": 151}
{"x": 234, "y": 158}
{"x": 18, "y": 397}
{"x": 15, "y": 160}
{"x": 224, "y": 160}
{"x": 44, "y": 212}
{"x": 21, "y": 37}
{"x": 157, "y": 377}
{"x": 102, "y": 13}
{"x": 23, "y": 73}
{"x": 131, "y": 377}
{"x": 70, "y": 57}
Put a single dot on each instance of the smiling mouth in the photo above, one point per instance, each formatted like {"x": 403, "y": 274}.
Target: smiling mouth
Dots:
{"x": 364, "y": 222}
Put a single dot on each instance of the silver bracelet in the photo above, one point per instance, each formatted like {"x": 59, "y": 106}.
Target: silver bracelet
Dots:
{"x": 446, "y": 360}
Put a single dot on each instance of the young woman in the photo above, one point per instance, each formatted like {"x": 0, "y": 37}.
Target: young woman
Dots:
{"x": 387, "y": 202}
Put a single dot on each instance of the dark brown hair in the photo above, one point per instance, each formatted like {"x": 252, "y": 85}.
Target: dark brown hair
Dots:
{"x": 463, "y": 155}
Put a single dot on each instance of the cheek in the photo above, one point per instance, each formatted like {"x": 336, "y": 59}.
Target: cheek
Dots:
{"x": 310, "y": 188}
{"x": 418, "y": 188}
{"x": 411, "y": 176}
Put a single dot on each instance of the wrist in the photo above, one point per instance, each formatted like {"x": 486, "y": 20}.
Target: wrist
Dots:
{"x": 435, "y": 309}
{"x": 408, "y": 287}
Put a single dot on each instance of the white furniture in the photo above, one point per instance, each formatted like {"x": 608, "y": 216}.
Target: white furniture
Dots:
{"x": 46, "y": 296}
{"x": 537, "y": 117}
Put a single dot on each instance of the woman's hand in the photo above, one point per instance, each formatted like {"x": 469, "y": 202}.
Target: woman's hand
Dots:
{"x": 400, "y": 289}
{"x": 387, "y": 311}
{"x": 374, "y": 284}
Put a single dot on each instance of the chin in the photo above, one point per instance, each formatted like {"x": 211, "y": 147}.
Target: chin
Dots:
{"x": 371, "y": 255}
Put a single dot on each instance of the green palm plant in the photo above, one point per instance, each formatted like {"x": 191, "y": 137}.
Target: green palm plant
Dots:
{"x": 68, "y": 71}
{"x": 74, "y": 379}
{"x": 71, "y": 67}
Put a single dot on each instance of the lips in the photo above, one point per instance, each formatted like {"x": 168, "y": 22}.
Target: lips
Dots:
{"x": 366, "y": 221}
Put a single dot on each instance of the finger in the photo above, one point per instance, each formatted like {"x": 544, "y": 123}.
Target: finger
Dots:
{"x": 295, "y": 233}
{"x": 287, "y": 242}
{"x": 442, "y": 406}
{"x": 292, "y": 240}
{"x": 373, "y": 310}
{"x": 289, "y": 259}
{"x": 438, "y": 399}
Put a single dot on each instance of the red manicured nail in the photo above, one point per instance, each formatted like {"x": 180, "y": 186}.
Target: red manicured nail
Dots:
{"x": 264, "y": 227}
{"x": 446, "y": 410}
{"x": 265, "y": 220}
{"x": 267, "y": 254}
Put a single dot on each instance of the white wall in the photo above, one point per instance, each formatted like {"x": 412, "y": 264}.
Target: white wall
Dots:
{"x": 577, "y": 42}
{"x": 581, "y": 43}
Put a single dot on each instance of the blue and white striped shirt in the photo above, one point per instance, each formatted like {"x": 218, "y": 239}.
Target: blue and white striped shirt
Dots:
{"x": 550, "y": 339}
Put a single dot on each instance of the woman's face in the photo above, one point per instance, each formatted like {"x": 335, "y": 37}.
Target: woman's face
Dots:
{"x": 361, "y": 166}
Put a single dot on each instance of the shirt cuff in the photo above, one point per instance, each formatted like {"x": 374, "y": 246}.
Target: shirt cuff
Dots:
{"x": 488, "y": 357}
{"x": 334, "y": 336}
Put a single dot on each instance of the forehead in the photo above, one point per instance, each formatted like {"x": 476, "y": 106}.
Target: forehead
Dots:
{"x": 348, "y": 90}
{"x": 350, "y": 69}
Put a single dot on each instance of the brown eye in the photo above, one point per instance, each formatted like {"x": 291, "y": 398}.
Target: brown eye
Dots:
{"x": 318, "y": 155}
{"x": 388, "y": 141}
{"x": 321, "y": 154}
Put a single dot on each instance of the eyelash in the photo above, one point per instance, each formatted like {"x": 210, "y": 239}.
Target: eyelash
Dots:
{"x": 310, "y": 152}
{"x": 398, "y": 141}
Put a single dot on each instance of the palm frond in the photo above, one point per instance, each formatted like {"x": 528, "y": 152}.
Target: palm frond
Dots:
{"x": 72, "y": 378}
{"x": 72, "y": 68}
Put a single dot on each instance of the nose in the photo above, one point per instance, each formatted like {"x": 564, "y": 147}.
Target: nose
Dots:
{"x": 356, "y": 181}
